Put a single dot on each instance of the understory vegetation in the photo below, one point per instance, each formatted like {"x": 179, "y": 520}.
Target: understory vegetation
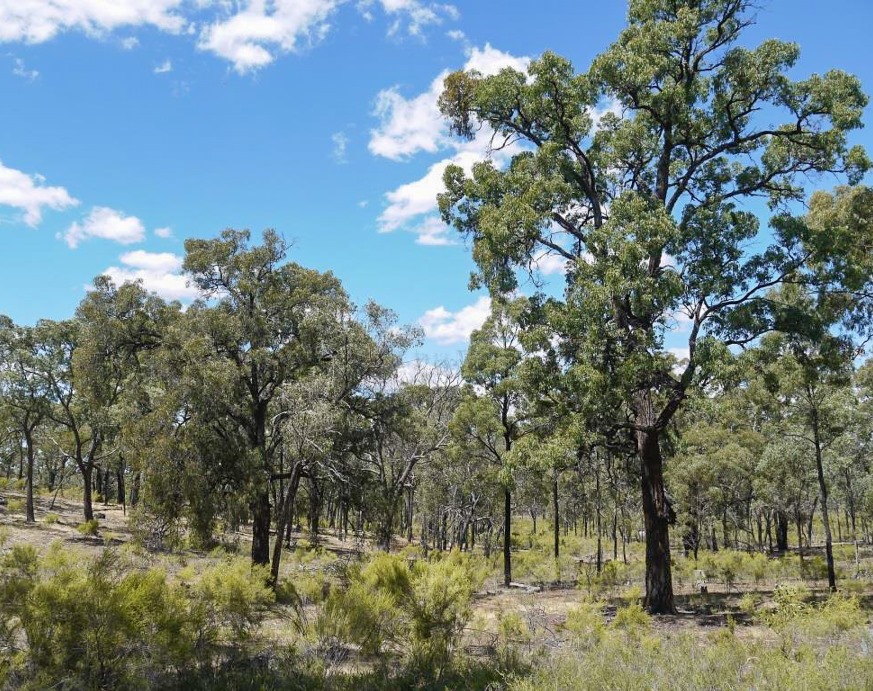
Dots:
{"x": 123, "y": 618}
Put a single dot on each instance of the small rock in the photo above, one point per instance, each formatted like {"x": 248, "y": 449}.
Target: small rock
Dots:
{"x": 100, "y": 515}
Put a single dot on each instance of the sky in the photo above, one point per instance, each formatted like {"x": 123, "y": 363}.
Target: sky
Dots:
{"x": 127, "y": 126}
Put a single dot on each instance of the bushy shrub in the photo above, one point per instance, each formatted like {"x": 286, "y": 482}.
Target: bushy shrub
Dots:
{"x": 585, "y": 624}
{"x": 418, "y": 609}
{"x": 89, "y": 528}
{"x": 100, "y": 623}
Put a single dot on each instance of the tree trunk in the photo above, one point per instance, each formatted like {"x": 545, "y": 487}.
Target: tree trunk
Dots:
{"x": 87, "y": 503}
{"x": 283, "y": 520}
{"x": 507, "y": 537}
{"x": 261, "y": 528}
{"x": 555, "y": 508}
{"x": 823, "y": 493}
{"x": 781, "y": 532}
{"x": 30, "y": 516}
{"x": 658, "y": 515}
{"x": 122, "y": 493}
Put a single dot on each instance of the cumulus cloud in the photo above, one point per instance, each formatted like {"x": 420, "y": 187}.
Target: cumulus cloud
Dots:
{"x": 409, "y": 15}
{"x": 164, "y": 232}
{"x": 37, "y": 22}
{"x": 408, "y": 126}
{"x": 250, "y": 34}
{"x": 108, "y": 224}
{"x": 165, "y": 67}
{"x": 159, "y": 272}
{"x": 550, "y": 264}
{"x": 447, "y": 328}
{"x": 29, "y": 194}
{"x": 258, "y": 31}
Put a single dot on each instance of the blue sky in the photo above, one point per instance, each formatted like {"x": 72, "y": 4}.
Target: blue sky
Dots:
{"x": 128, "y": 125}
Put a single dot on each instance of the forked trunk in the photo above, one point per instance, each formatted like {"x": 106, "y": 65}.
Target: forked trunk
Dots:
{"x": 658, "y": 515}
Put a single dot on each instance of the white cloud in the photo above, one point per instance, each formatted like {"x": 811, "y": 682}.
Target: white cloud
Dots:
{"x": 432, "y": 231}
{"x": 447, "y": 328}
{"x": 490, "y": 60}
{"x": 129, "y": 42}
{"x": 256, "y": 33}
{"x": 681, "y": 355}
{"x": 549, "y": 264}
{"x": 108, "y": 224}
{"x": 456, "y": 35}
{"x": 165, "y": 67}
{"x": 340, "y": 144}
{"x": 159, "y": 272}
{"x": 414, "y": 15}
{"x": 19, "y": 69}
{"x": 28, "y": 194}
{"x": 164, "y": 232}
{"x": 410, "y": 125}
{"x": 37, "y": 21}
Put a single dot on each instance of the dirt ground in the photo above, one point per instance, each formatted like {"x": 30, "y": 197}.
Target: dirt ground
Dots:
{"x": 544, "y": 610}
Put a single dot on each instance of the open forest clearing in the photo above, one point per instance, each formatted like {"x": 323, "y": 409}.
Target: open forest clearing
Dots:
{"x": 345, "y": 615}
{"x": 652, "y": 470}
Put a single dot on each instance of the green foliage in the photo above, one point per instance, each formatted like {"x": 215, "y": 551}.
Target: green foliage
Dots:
{"x": 233, "y": 597}
{"x": 90, "y": 527}
{"x": 100, "y": 623}
{"x": 418, "y": 609}
{"x": 51, "y": 518}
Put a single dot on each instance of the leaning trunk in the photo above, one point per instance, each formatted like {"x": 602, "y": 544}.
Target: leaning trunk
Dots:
{"x": 658, "y": 515}
{"x": 284, "y": 520}
{"x": 823, "y": 493}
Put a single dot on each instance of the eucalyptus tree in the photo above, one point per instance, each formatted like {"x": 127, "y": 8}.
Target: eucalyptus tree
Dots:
{"x": 85, "y": 363}
{"x": 808, "y": 372}
{"x": 493, "y": 413}
{"x": 650, "y": 203}
{"x": 265, "y": 322}
{"x": 23, "y": 393}
{"x": 406, "y": 424}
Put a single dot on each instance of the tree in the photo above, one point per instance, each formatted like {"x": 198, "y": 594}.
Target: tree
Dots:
{"x": 808, "y": 372}
{"x": 23, "y": 392}
{"x": 650, "y": 207}
{"x": 492, "y": 415}
{"x": 269, "y": 324}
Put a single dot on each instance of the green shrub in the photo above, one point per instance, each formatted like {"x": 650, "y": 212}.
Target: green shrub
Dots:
{"x": 51, "y": 518}
{"x": 233, "y": 597}
{"x": 89, "y": 528}
{"x": 633, "y": 620}
{"x": 419, "y": 610}
{"x": 15, "y": 506}
{"x": 585, "y": 624}
{"x": 100, "y": 623}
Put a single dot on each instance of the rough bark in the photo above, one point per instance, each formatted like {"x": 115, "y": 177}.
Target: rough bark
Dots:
{"x": 261, "y": 528}
{"x": 658, "y": 515}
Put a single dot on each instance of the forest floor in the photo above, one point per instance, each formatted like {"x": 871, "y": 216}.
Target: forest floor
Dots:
{"x": 543, "y": 608}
